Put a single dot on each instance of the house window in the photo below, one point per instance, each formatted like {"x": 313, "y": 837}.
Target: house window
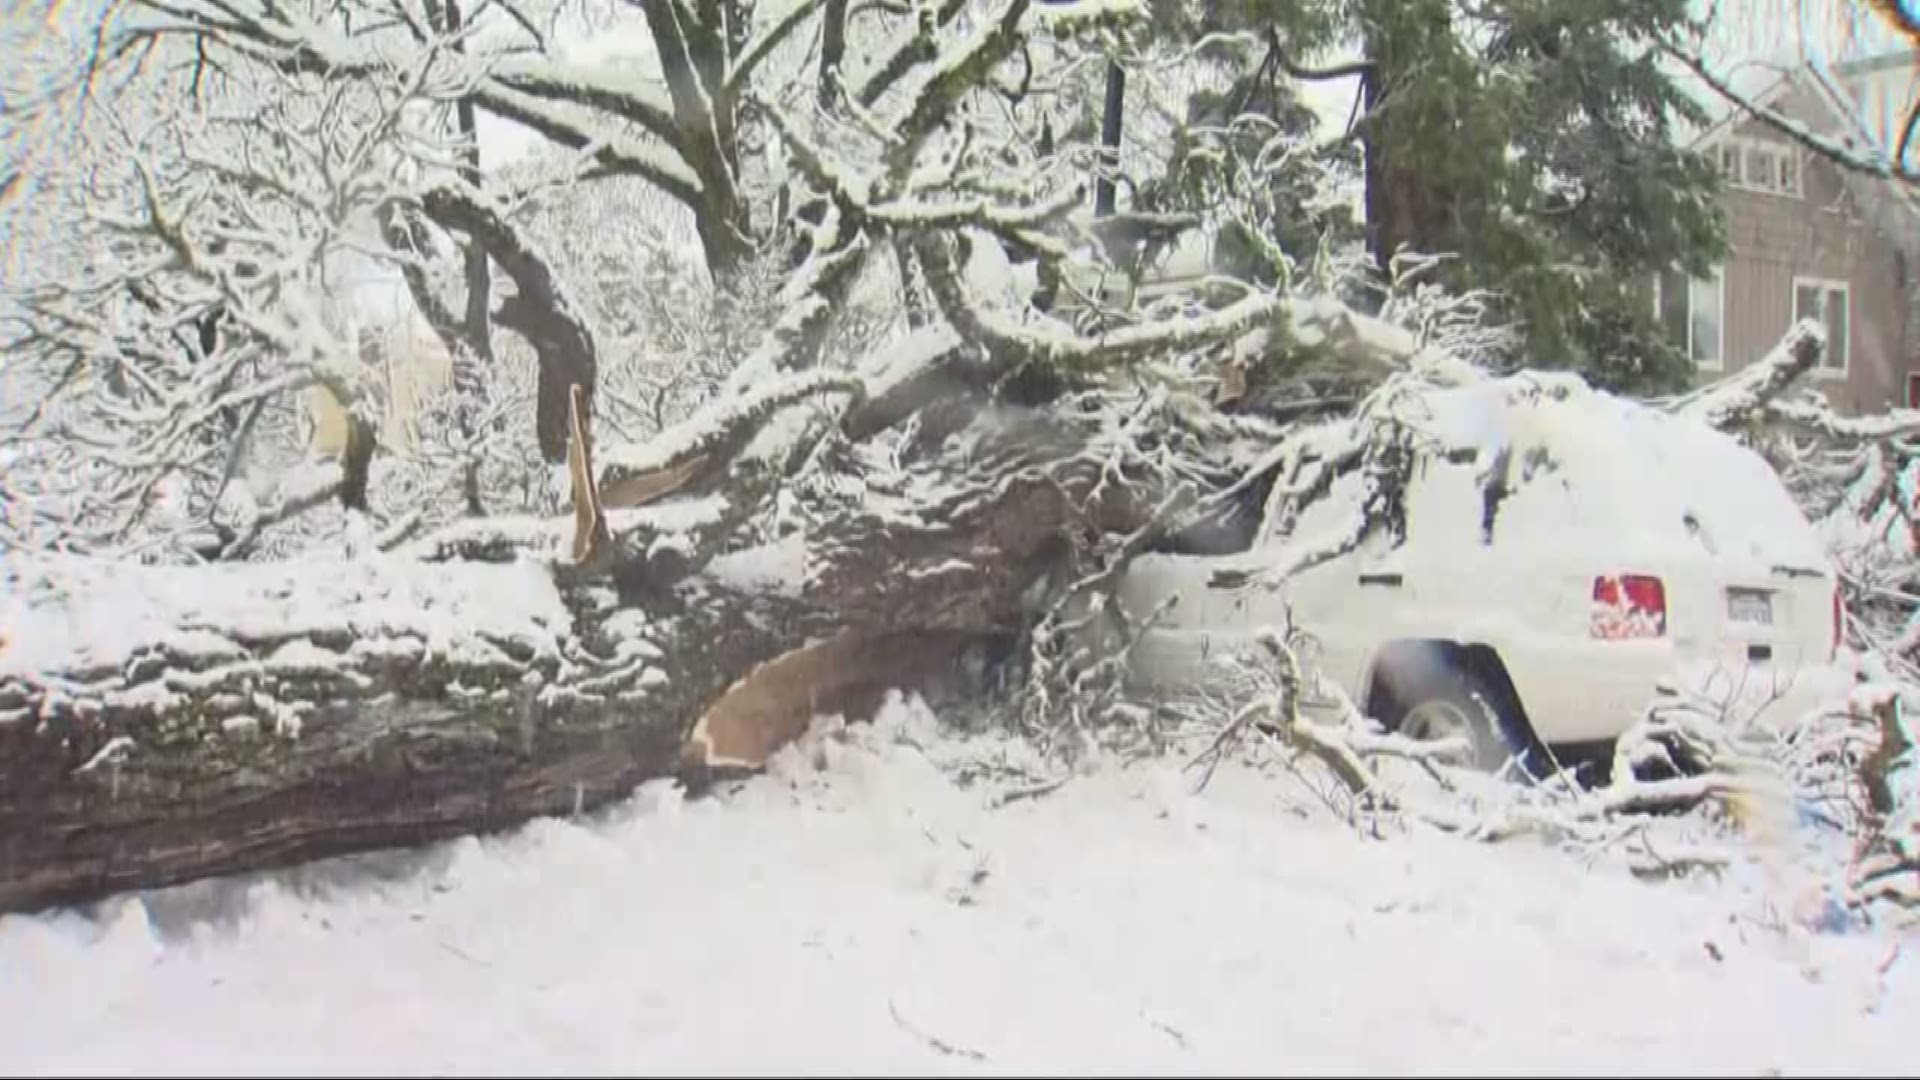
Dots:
{"x": 1692, "y": 314}
{"x": 1756, "y": 165}
{"x": 1826, "y": 302}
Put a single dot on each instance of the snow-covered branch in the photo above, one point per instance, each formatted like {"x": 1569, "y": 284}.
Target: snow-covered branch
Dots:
{"x": 1309, "y": 321}
{"x": 1352, "y": 748}
{"x": 540, "y": 310}
{"x": 1744, "y": 397}
{"x": 706, "y": 441}
{"x": 1853, "y": 155}
{"x": 763, "y": 45}
{"x": 211, "y": 242}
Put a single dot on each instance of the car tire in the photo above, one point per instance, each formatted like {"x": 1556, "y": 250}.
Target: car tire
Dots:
{"x": 1449, "y": 701}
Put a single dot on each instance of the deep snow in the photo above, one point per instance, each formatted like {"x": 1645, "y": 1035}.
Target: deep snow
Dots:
{"x": 857, "y": 910}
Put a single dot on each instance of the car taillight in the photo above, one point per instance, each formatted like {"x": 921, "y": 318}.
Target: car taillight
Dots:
{"x": 1839, "y": 621}
{"x": 1629, "y": 606}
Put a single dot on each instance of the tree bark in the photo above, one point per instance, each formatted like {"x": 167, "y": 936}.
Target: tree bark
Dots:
{"x": 265, "y": 745}
{"x": 351, "y": 705}
{"x": 539, "y": 311}
{"x": 466, "y": 381}
{"x": 1405, "y": 206}
{"x": 1112, "y": 116}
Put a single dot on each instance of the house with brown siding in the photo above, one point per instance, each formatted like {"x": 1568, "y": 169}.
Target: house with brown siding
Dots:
{"x": 1808, "y": 238}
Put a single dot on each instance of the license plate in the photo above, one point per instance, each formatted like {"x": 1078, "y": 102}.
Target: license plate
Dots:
{"x": 1747, "y": 606}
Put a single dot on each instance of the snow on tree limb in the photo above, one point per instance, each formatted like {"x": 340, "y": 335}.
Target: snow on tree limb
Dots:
{"x": 317, "y": 490}
{"x": 704, "y": 132}
{"x": 166, "y": 724}
{"x": 987, "y": 215}
{"x": 1816, "y": 419}
{"x": 716, "y": 433}
{"x": 955, "y": 73}
{"x": 614, "y": 154}
{"x": 762, "y": 46}
{"x": 540, "y": 311}
{"x": 1866, "y": 158}
{"x": 1310, "y": 321}
{"x": 630, "y": 100}
{"x": 567, "y": 104}
{"x": 917, "y": 48}
{"x": 1743, "y": 397}
{"x": 214, "y": 304}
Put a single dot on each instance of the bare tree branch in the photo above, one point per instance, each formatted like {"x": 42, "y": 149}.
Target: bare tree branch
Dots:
{"x": 539, "y": 311}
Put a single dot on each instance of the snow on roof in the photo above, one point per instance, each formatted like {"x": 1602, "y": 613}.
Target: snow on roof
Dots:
{"x": 1759, "y": 81}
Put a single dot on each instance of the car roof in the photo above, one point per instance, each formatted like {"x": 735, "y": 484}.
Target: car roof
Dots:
{"x": 1625, "y": 470}
{"x": 1583, "y": 469}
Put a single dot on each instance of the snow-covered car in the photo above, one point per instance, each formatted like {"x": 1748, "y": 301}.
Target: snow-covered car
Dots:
{"x": 1567, "y": 557}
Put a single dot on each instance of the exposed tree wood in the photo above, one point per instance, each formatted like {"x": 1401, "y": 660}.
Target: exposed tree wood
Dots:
{"x": 589, "y": 523}
{"x": 291, "y": 742}
{"x": 643, "y": 488}
{"x": 776, "y": 702}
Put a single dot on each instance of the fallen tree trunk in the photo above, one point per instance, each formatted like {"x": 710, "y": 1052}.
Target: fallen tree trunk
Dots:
{"x": 161, "y": 725}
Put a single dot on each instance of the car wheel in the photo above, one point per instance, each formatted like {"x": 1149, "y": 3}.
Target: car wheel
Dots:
{"x": 1454, "y": 704}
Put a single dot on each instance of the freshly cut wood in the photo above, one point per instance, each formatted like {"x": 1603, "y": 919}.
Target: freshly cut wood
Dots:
{"x": 848, "y": 674}
{"x": 590, "y": 536}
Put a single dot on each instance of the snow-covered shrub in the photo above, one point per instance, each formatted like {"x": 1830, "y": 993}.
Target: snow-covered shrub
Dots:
{"x": 1849, "y": 766}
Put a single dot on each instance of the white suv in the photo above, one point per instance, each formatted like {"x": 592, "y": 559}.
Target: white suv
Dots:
{"x": 1629, "y": 550}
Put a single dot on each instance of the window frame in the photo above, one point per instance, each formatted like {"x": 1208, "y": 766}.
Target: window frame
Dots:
{"x": 1719, "y": 281}
{"x": 1778, "y": 156}
{"x": 1827, "y": 287}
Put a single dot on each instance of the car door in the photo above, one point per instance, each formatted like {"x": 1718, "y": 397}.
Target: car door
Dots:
{"x": 1339, "y": 595}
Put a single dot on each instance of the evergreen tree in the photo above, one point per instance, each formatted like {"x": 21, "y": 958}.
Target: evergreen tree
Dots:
{"x": 1530, "y": 141}
{"x": 1284, "y": 208}
{"x": 1534, "y": 140}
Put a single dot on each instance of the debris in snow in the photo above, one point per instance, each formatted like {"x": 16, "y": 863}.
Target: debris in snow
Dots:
{"x": 1267, "y": 941}
{"x": 939, "y": 1045}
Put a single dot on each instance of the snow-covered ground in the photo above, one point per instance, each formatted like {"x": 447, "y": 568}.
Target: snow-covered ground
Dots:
{"x": 858, "y": 911}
